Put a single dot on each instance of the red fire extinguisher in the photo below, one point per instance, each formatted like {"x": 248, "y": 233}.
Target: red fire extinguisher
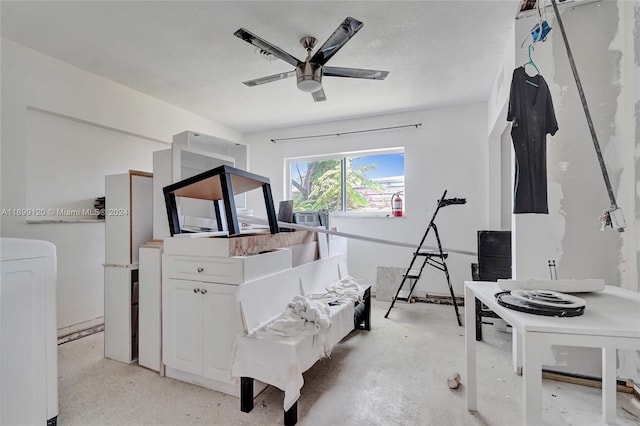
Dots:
{"x": 396, "y": 204}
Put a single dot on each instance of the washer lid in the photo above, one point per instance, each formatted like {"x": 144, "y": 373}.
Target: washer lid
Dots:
{"x": 20, "y": 248}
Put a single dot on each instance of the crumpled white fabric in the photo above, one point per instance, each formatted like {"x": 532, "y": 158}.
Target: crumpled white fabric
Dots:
{"x": 281, "y": 360}
{"x": 301, "y": 317}
{"x": 347, "y": 288}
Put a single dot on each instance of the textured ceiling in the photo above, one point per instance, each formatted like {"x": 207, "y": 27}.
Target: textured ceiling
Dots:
{"x": 437, "y": 52}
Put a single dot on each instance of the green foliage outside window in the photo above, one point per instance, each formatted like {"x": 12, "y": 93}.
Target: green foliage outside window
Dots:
{"x": 318, "y": 185}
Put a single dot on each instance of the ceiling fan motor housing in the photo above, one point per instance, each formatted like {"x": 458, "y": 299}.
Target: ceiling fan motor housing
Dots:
{"x": 309, "y": 77}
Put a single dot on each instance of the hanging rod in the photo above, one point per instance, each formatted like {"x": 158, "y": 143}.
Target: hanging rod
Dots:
{"x": 347, "y": 133}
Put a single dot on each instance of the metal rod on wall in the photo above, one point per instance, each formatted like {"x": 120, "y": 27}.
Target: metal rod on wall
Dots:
{"x": 347, "y": 133}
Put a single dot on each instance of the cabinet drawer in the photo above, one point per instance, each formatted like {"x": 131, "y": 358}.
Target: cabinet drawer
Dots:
{"x": 204, "y": 269}
{"x": 227, "y": 270}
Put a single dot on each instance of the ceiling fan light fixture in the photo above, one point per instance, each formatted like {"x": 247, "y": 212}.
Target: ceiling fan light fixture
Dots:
{"x": 309, "y": 77}
{"x": 309, "y": 85}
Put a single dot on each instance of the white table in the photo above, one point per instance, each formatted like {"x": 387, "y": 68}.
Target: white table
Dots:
{"x": 611, "y": 321}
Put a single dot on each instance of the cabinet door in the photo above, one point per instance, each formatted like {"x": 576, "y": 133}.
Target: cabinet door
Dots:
{"x": 23, "y": 349}
{"x": 141, "y": 206}
{"x": 222, "y": 324}
{"x": 182, "y": 325}
{"x": 149, "y": 315}
{"x": 117, "y": 236}
{"x": 117, "y": 313}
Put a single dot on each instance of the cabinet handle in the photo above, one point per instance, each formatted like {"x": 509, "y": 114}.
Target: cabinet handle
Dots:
{"x": 196, "y": 290}
{"x": 203, "y": 291}
{"x": 200, "y": 270}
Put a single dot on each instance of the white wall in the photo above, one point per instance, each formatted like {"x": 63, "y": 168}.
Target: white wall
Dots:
{"x": 499, "y": 151}
{"x": 447, "y": 152}
{"x": 577, "y": 194}
{"x": 601, "y": 36}
{"x": 63, "y": 130}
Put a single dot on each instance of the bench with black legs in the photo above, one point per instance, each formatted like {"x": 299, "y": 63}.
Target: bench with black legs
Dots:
{"x": 361, "y": 321}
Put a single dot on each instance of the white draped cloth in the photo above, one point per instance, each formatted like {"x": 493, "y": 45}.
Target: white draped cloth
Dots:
{"x": 301, "y": 317}
{"x": 280, "y": 360}
{"x": 345, "y": 289}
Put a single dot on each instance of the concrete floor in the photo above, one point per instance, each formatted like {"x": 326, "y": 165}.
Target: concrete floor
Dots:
{"x": 395, "y": 374}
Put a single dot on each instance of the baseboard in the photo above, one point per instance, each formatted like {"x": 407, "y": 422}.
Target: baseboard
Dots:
{"x": 594, "y": 382}
{"x": 439, "y": 300}
{"x": 430, "y": 298}
{"x": 77, "y": 331}
{"x": 64, "y": 331}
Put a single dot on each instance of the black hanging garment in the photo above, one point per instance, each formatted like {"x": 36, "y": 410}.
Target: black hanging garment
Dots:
{"x": 532, "y": 114}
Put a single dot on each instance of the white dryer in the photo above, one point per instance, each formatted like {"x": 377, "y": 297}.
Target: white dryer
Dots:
{"x": 28, "y": 333}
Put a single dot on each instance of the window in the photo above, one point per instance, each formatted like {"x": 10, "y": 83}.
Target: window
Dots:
{"x": 358, "y": 182}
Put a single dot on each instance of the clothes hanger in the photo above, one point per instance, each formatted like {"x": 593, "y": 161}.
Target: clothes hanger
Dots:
{"x": 538, "y": 33}
{"x": 541, "y": 29}
{"x": 533, "y": 64}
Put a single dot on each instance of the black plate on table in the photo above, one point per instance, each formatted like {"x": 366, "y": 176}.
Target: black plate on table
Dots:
{"x": 506, "y": 299}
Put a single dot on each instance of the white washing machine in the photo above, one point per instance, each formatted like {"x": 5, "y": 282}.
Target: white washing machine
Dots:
{"x": 28, "y": 333}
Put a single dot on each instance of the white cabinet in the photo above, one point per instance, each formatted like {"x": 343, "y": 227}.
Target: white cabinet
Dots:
{"x": 28, "y": 337}
{"x": 200, "y": 309}
{"x": 128, "y": 224}
{"x": 201, "y": 323}
{"x": 128, "y": 211}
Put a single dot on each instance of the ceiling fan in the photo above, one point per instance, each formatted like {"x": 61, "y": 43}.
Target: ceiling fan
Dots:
{"x": 310, "y": 71}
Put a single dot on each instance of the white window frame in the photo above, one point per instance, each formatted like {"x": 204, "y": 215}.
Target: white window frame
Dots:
{"x": 342, "y": 157}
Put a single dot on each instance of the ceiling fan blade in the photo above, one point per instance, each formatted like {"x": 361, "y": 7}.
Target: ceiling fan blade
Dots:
{"x": 354, "y": 73}
{"x": 347, "y": 29}
{"x": 269, "y": 78}
{"x": 266, "y": 46}
{"x": 319, "y": 96}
